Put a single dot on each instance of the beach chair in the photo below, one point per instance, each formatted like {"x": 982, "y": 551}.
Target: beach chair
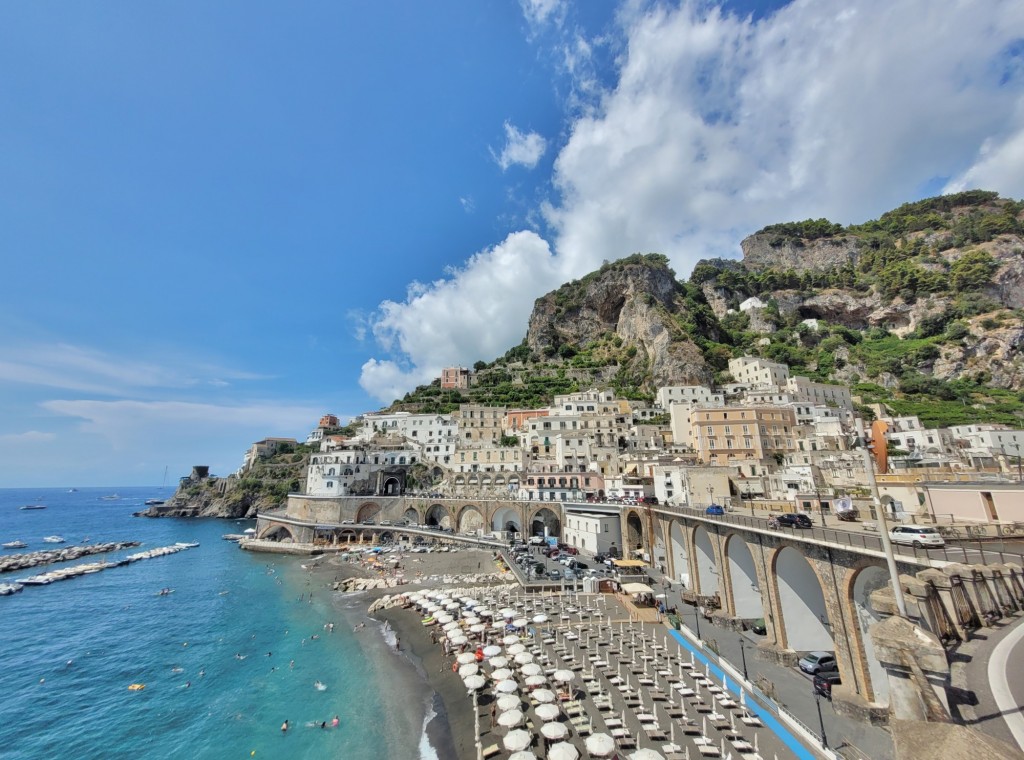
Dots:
{"x": 491, "y": 751}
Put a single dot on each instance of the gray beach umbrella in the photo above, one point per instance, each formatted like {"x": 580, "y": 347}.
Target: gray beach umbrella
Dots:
{"x": 517, "y": 740}
{"x": 600, "y": 745}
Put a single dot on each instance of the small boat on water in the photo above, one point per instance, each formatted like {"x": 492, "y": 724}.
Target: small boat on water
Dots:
{"x": 187, "y": 545}
{"x": 33, "y": 506}
{"x": 72, "y": 490}
{"x": 54, "y": 539}
{"x": 111, "y": 497}
{"x": 15, "y": 544}
{"x": 6, "y": 589}
{"x": 154, "y": 502}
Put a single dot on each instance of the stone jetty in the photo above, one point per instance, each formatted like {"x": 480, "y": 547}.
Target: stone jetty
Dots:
{"x": 373, "y": 584}
{"x": 13, "y": 562}
{"x": 74, "y": 571}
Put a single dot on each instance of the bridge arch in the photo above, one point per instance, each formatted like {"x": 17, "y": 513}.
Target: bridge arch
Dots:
{"x": 659, "y": 551}
{"x": 545, "y": 521}
{"x": 680, "y": 552}
{"x": 280, "y": 533}
{"x": 707, "y": 580}
{"x": 744, "y": 585}
{"x": 470, "y": 520}
{"x": 805, "y": 622}
{"x": 368, "y": 511}
{"x": 412, "y": 516}
{"x": 438, "y": 514}
{"x": 862, "y": 583}
{"x": 507, "y": 519}
{"x": 634, "y": 531}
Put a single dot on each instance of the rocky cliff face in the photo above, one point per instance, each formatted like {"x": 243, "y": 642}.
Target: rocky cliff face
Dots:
{"x": 765, "y": 250}
{"x": 634, "y": 308}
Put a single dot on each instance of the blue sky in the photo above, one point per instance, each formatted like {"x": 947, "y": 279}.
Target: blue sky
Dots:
{"x": 219, "y": 221}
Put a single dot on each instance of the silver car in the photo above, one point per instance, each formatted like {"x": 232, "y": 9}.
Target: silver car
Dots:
{"x": 917, "y": 536}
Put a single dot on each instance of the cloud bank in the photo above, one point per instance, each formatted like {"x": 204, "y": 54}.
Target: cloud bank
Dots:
{"x": 716, "y": 125}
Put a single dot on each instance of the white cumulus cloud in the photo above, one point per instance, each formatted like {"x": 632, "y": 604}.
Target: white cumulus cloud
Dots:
{"x": 521, "y": 148}
{"x": 478, "y": 311}
{"x": 716, "y": 125}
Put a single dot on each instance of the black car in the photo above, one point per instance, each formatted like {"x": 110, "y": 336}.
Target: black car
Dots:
{"x": 794, "y": 520}
{"x": 824, "y": 681}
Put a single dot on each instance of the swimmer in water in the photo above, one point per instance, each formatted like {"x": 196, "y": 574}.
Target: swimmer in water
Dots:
{"x": 284, "y": 727}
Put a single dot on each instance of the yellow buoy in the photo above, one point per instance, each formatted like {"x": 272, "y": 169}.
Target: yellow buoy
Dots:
{"x": 137, "y": 687}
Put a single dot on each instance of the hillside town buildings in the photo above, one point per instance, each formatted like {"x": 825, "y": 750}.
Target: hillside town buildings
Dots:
{"x": 765, "y": 437}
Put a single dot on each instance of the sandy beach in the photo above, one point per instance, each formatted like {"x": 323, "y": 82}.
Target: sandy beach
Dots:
{"x": 451, "y": 731}
{"x": 637, "y": 681}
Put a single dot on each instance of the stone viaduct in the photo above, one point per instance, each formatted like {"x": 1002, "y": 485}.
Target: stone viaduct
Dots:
{"x": 813, "y": 593}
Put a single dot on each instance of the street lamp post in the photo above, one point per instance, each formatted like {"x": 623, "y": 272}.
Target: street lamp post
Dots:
{"x": 711, "y": 494}
{"x": 821, "y": 721}
{"x": 746, "y": 494}
{"x": 743, "y": 654}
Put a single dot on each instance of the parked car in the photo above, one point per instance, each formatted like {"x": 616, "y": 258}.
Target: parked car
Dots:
{"x": 385, "y": 522}
{"x": 917, "y": 536}
{"x": 715, "y": 509}
{"x": 816, "y": 662}
{"x": 824, "y": 681}
{"x": 794, "y": 520}
{"x": 536, "y": 540}
{"x": 759, "y": 627}
{"x": 348, "y": 522}
{"x": 555, "y": 575}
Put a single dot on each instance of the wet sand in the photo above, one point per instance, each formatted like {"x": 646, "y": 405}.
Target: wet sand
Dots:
{"x": 451, "y": 732}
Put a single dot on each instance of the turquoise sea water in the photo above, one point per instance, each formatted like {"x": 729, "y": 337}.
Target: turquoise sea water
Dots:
{"x": 69, "y": 650}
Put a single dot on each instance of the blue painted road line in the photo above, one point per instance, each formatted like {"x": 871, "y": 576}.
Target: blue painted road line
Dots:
{"x": 766, "y": 716}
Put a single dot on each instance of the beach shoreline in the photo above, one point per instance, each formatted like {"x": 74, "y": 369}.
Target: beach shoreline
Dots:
{"x": 450, "y": 731}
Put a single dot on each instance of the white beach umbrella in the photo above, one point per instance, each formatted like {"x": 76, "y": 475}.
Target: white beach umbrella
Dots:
{"x": 452, "y": 606}
{"x": 510, "y": 639}
{"x": 458, "y": 640}
{"x": 465, "y": 658}
{"x": 515, "y": 649}
{"x": 524, "y": 658}
{"x": 563, "y": 751}
{"x": 510, "y": 718}
{"x": 540, "y": 618}
{"x": 563, "y": 676}
{"x": 501, "y": 674}
{"x": 507, "y": 612}
{"x": 474, "y": 682}
{"x": 444, "y": 618}
{"x": 498, "y": 662}
{"x": 531, "y": 669}
{"x": 600, "y": 745}
{"x": 451, "y": 633}
{"x": 509, "y": 702}
{"x": 533, "y": 682}
{"x": 498, "y": 625}
{"x": 646, "y": 754}
{"x": 450, "y": 626}
{"x": 517, "y": 740}
{"x": 469, "y": 669}
{"x": 471, "y": 619}
{"x": 547, "y": 712}
{"x": 492, "y": 651}
{"x": 507, "y": 686}
{"x": 520, "y": 622}
{"x": 483, "y": 612}
{"x": 553, "y": 730}
{"x": 522, "y": 755}
{"x": 477, "y": 628}
{"x": 544, "y": 695}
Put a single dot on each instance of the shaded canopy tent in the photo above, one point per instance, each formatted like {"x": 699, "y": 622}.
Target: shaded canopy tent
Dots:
{"x": 637, "y": 588}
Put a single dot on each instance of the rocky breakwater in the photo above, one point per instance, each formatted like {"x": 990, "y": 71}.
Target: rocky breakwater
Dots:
{"x": 35, "y": 559}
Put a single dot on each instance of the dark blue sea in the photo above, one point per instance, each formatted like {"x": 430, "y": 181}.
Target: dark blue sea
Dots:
{"x": 215, "y": 655}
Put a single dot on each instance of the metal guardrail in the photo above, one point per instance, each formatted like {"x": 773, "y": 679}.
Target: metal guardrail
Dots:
{"x": 853, "y": 539}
